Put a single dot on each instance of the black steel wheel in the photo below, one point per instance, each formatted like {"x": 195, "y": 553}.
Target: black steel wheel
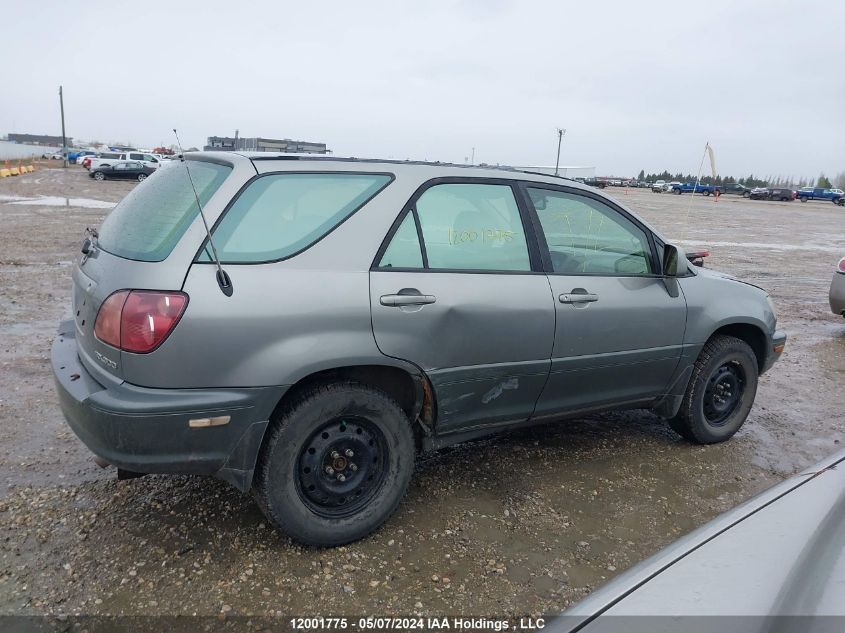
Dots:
{"x": 335, "y": 464}
{"x": 720, "y": 392}
{"x": 342, "y": 466}
{"x": 723, "y": 393}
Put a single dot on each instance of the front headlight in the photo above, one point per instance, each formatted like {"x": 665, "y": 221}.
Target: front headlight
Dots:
{"x": 772, "y": 307}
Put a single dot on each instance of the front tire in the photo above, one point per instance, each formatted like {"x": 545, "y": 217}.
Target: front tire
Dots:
{"x": 335, "y": 464}
{"x": 99, "y": 175}
{"x": 142, "y": 177}
{"x": 720, "y": 392}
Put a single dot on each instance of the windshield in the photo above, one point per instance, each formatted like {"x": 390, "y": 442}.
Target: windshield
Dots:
{"x": 147, "y": 224}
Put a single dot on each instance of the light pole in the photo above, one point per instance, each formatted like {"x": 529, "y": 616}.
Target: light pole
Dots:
{"x": 64, "y": 140}
{"x": 472, "y": 160}
{"x": 560, "y": 133}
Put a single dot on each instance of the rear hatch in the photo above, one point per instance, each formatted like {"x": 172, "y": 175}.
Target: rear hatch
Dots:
{"x": 147, "y": 242}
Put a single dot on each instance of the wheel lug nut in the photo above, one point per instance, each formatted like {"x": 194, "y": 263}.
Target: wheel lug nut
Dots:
{"x": 353, "y": 467}
{"x": 329, "y": 470}
{"x": 349, "y": 453}
{"x": 341, "y": 478}
{"x": 335, "y": 454}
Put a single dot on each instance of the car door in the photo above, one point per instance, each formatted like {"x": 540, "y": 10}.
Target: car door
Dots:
{"x": 118, "y": 171}
{"x": 458, "y": 290}
{"x": 619, "y": 328}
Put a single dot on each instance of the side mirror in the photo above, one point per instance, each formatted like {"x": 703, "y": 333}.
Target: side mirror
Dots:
{"x": 671, "y": 261}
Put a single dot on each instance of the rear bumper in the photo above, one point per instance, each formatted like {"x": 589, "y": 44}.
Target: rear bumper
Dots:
{"x": 837, "y": 294}
{"x": 146, "y": 430}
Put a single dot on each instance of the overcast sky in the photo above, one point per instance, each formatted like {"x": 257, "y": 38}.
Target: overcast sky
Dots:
{"x": 637, "y": 85}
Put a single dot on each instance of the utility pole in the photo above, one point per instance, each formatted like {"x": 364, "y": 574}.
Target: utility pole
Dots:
{"x": 560, "y": 133}
{"x": 472, "y": 160}
{"x": 64, "y": 140}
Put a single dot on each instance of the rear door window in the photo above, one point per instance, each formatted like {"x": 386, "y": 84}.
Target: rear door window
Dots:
{"x": 148, "y": 223}
{"x": 472, "y": 226}
{"x": 280, "y": 215}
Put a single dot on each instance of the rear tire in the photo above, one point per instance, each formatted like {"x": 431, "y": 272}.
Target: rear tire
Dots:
{"x": 803, "y": 199}
{"x": 99, "y": 175}
{"x": 720, "y": 392}
{"x": 335, "y": 465}
{"x": 142, "y": 177}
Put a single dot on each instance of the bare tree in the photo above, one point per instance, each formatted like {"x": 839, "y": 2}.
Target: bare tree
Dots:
{"x": 839, "y": 180}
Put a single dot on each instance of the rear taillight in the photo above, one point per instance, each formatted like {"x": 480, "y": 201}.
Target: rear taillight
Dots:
{"x": 841, "y": 266}
{"x": 139, "y": 320}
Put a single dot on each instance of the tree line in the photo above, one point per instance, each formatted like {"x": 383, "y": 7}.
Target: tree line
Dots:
{"x": 751, "y": 180}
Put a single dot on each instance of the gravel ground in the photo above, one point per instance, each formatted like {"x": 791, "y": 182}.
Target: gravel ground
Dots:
{"x": 524, "y": 523}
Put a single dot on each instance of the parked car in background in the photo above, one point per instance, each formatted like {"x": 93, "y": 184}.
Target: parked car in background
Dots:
{"x": 659, "y": 186}
{"x": 81, "y": 156}
{"x": 86, "y": 161}
{"x": 759, "y": 193}
{"x": 122, "y": 171}
{"x": 172, "y": 365}
{"x": 111, "y": 158}
{"x": 599, "y": 183}
{"x": 839, "y": 201}
{"x": 691, "y": 187}
{"x": 819, "y": 193}
{"x": 784, "y": 194}
{"x": 837, "y": 289}
{"x": 644, "y": 185}
{"x": 782, "y": 552}
{"x": 733, "y": 189}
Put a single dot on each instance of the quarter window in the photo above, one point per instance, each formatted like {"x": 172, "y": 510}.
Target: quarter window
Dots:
{"x": 586, "y": 236}
{"x": 404, "y": 250}
{"x": 279, "y": 215}
{"x": 472, "y": 226}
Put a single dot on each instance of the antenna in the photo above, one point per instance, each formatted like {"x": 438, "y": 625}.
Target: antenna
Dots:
{"x": 223, "y": 279}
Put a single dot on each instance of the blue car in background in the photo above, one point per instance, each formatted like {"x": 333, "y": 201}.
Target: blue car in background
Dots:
{"x": 820, "y": 193}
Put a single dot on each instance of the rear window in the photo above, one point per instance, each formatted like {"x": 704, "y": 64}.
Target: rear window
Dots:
{"x": 280, "y": 215}
{"x": 147, "y": 224}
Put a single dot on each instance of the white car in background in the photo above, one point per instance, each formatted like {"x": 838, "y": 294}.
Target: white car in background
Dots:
{"x": 83, "y": 155}
{"x": 112, "y": 158}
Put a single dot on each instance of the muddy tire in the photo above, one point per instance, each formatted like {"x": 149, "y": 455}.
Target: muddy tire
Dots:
{"x": 335, "y": 464}
{"x": 720, "y": 392}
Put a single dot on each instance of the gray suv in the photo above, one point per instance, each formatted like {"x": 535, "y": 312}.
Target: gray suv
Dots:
{"x": 348, "y": 314}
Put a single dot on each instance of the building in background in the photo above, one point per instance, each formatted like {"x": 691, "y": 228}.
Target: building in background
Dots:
{"x": 565, "y": 171}
{"x": 39, "y": 139}
{"x": 258, "y": 144}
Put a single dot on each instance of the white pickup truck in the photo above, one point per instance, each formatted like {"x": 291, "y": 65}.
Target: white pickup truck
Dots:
{"x": 110, "y": 158}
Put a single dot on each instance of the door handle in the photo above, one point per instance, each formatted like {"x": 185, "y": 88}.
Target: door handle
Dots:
{"x": 574, "y": 297}
{"x": 399, "y": 300}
